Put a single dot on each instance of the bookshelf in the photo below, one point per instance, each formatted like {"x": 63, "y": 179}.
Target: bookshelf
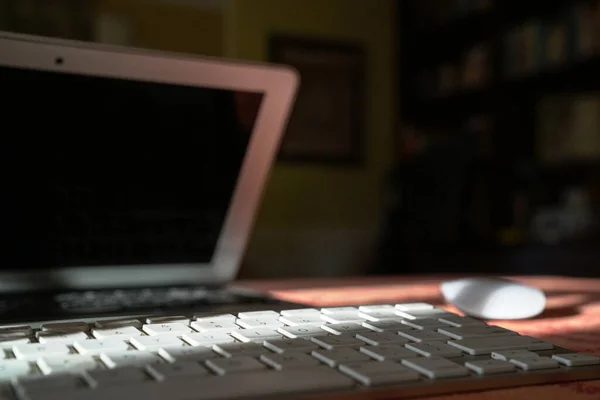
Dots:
{"x": 501, "y": 73}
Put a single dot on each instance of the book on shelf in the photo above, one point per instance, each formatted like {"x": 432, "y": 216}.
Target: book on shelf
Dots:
{"x": 428, "y": 84}
{"x": 583, "y": 39}
{"x": 568, "y": 129}
{"x": 441, "y": 12}
{"x": 467, "y": 7}
{"x": 522, "y": 49}
{"x": 596, "y": 26}
{"x": 476, "y": 68}
{"x": 556, "y": 41}
{"x": 449, "y": 81}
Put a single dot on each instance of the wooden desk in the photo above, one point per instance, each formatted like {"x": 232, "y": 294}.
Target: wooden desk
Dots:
{"x": 571, "y": 320}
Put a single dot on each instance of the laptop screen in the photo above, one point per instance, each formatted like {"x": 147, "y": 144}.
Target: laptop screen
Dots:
{"x": 99, "y": 171}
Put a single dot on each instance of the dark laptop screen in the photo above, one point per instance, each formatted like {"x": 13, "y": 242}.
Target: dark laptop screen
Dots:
{"x": 102, "y": 171}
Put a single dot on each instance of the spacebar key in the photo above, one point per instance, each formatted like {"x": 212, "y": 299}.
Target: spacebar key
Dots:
{"x": 487, "y": 345}
{"x": 243, "y": 385}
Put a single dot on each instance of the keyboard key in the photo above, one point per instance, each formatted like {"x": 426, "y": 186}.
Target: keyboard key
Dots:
{"x": 222, "y": 366}
{"x": 123, "y": 332}
{"x": 341, "y": 355}
{"x": 18, "y": 329}
{"x": 413, "y": 306}
{"x": 342, "y": 318}
{"x": 387, "y": 325}
{"x": 302, "y": 320}
{"x": 219, "y": 317}
{"x": 258, "y": 334}
{"x": 436, "y": 367}
{"x": 378, "y": 315}
{"x": 380, "y": 338}
{"x": 174, "y": 328}
{"x": 179, "y": 319}
{"x": 373, "y": 373}
{"x": 70, "y": 363}
{"x": 333, "y": 341}
{"x": 118, "y": 323}
{"x": 302, "y": 331}
{"x": 129, "y": 375}
{"x": 339, "y": 310}
{"x": 215, "y": 325}
{"x": 424, "y": 313}
{"x": 477, "y": 346}
{"x": 576, "y": 360}
{"x": 290, "y": 345}
{"x": 129, "y": 358}
{"x": 349, "y": 327}
{"x": 418, "y": 335}
{"x": 431, "y": 349}
{"x": 207, "y": 338}
{"x": 389, "y": 352}
{"x": 506, "y": 355}
{"x": 38, "y": 385}
{"x": 489, "y": 367}
{"x": 459, "y": 322}
{"x": 376, "y": 308}
{"x": 60, "y": 337}
{"x": 33, "y": 351}
{"x": 187, "y": 353}
{"x": 534, "y": 363}
{"x": 251, "y": 323}
{"x": 264, "y": 384}
{"x": 95, "y": 346}
{"x": 186, "y": 369}
{"x": 259, "y": 314}
{"x": 152, "y": 343}
{"x": 239, "y": 349}
{"x": 424, "y": 323}
{"x": 475, "y": 332}
{"x": 12, "y": 368}
{"x": 302, "y": 312}
{"x": 74, "y": 326}
{"x": 9, "y": 342}
{"x": 289, "y": 360}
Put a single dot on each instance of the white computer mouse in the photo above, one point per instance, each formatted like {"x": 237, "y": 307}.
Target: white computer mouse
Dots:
{"x": 494, "y": 298}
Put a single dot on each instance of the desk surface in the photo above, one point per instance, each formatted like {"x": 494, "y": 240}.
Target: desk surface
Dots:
{"x": 571, "y": 319}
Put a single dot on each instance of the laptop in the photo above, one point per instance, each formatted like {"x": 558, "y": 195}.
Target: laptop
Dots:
{"x": 130, "y": 183}
{"x": 129, "y": 170}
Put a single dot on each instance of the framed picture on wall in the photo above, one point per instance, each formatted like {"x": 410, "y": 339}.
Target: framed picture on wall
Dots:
{"x": 327, "y": 123}
{"x": 69, "y": 19}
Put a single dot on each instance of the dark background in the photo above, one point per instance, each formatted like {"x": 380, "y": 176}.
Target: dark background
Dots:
{"x": 480, "y": 138}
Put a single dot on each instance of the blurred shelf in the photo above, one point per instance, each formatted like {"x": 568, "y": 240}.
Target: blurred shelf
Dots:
{"x": 448, "y": 41}
{"x": 572, "y": 77}
{"x": 575, "y": 77}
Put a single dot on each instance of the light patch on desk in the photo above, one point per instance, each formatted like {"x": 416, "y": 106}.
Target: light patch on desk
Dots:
{"x": 570, "y": 300}
{"x": 363, "y": 295}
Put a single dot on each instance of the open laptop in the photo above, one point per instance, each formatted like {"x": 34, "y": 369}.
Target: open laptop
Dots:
{"x": 130, "y": 182}
{"x": 128, "y": 169}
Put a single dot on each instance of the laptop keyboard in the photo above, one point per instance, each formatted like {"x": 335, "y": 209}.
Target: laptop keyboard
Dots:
{"x": 414, "y": 347}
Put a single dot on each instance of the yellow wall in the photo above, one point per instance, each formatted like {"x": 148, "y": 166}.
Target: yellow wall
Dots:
{"x": 301, "y": 196}
{"x": 321, "y": 199}
{"x": 171, "y": 27}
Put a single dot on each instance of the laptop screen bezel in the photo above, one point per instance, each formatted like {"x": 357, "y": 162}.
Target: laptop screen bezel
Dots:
{"x": 278, "y": 84}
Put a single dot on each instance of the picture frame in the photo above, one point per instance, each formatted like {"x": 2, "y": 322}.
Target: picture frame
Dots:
{"x": 327, "y": 122}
